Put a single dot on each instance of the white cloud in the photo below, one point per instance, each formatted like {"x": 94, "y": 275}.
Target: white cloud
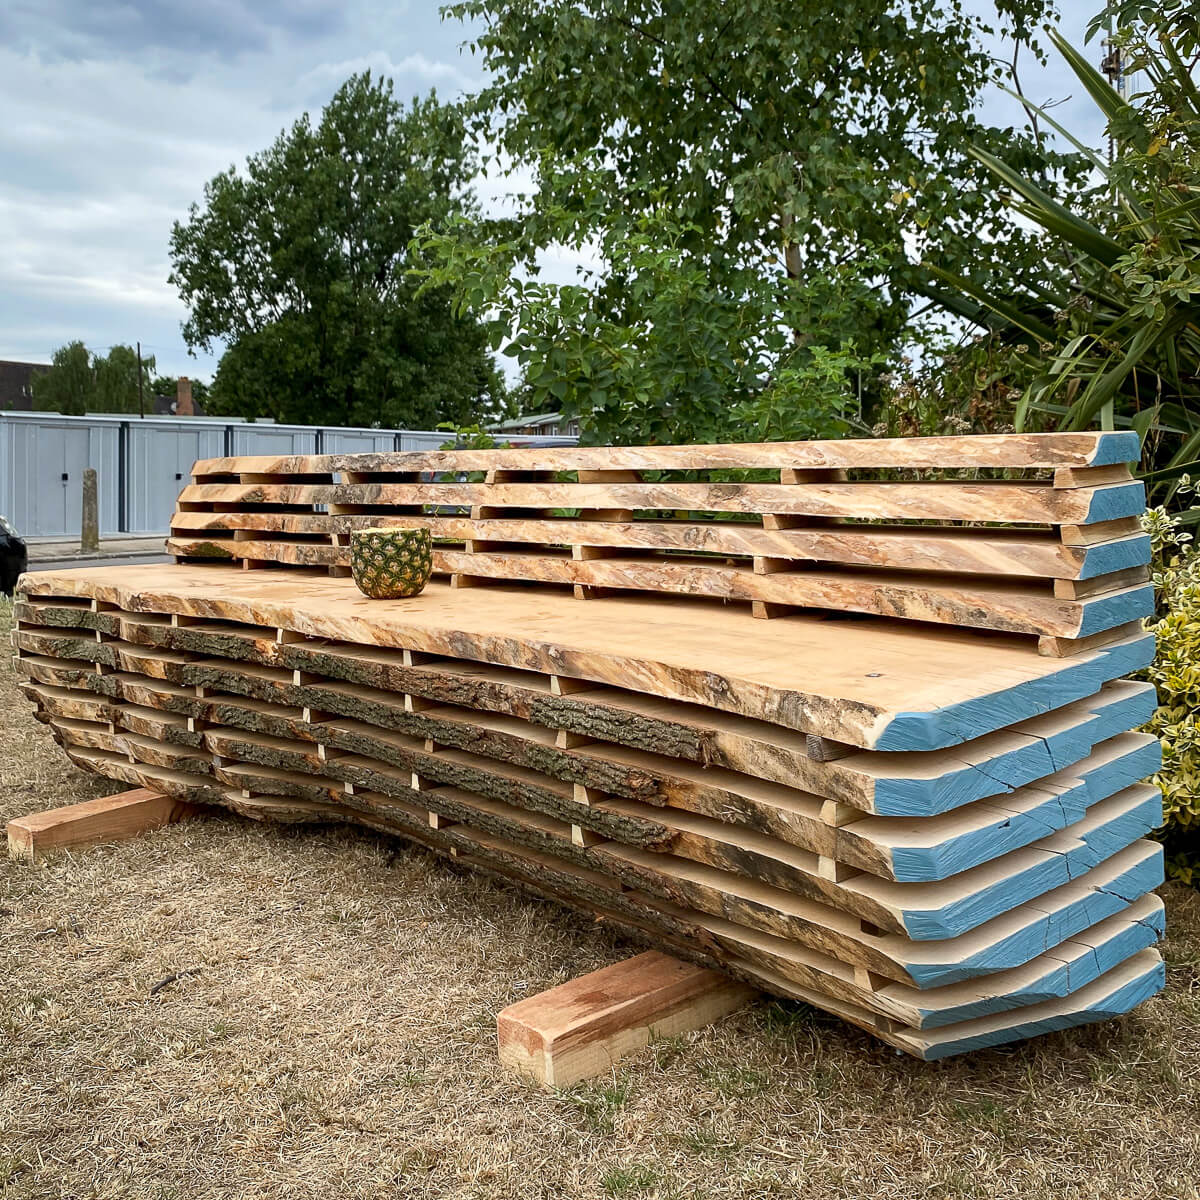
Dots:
{"x": 433, "y": 72}
{"x": 105, "y": 143}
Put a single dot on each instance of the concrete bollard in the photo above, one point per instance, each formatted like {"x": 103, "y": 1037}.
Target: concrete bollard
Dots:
{"x": 89, "y": 537}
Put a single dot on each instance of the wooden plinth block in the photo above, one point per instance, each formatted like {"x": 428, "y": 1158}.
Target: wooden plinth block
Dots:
{"x": 578, "y": 1030}
{"x": 107, "y": 819}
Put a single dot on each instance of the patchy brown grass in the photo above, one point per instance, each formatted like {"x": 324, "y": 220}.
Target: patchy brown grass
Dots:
{"x": 335, "y": 1038}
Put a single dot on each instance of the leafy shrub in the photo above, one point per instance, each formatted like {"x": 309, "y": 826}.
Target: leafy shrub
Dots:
{"x": 1175, "y": 673}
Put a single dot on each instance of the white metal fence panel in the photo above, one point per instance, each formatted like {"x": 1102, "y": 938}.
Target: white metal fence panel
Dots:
{"x": 274, "y": 439}
{"x": 141, "y": 463}
{"x": 357, "y": 441}
{"x": 43, "y": 463}
{"x": 416, "y": 439}
{"x": 158, "y": 462}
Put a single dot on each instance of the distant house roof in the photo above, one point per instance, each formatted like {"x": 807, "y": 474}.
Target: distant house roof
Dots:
{"x": 537, "y": 423}
{"x": 168, "y": 406}
{"x": 16, "y": 383}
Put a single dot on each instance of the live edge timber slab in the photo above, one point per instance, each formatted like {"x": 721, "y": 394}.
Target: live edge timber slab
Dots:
{"x": 580, "y": 1029}
{"x": 1035, "y": 535}
{"x": 912, "y": 797}
{"x": 106, "y": 819}
{"x": 875, "y": 685}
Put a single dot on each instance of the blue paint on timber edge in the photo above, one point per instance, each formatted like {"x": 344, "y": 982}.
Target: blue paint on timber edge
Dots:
{"x": 1055, "y": 869}
{"x": 1138, "y": 763}
{"x": 1006, "y": 832}
{"x": 1118, "y": 608}
{"x": 1118, "y": 555}
{"x": 1056, "y": 927}
{"x": 1105, "y": 840}
{"x": 1116, "y": 447}
{"x": 1116, "y": 717}
{"x": 1114, "y": 501}
{"x": 1041, "y": 756}
{"x": 1076, "y": 968}
{"x": 924, "y": 864}
{"x": 1129, "y": 656}
{"x": 958, "y": 723}
{"x": 995, "y": 778}
{"x": 1115, "y": 1004}
{"x": 1049, "y": 929}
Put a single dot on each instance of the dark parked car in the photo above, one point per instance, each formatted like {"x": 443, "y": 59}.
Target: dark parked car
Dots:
{"x": 13, "y": 557}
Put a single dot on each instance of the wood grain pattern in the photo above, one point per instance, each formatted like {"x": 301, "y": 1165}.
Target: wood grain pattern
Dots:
{"x": 979, "y": 603}
{"x": 580, "y": 1029}
{"x": 987, "y": 551}
{"x": 888, "y": 686}
{"x": 917, "y": 823}
{"x": 1046, "y": 450}
{"x": 1030, "y": 504}
{"x": 788, "y": 544}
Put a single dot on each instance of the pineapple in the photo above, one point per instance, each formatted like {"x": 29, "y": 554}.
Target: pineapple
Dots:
{"x": 391, "y": 563}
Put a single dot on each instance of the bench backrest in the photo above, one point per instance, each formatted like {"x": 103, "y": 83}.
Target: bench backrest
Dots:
{"x": 1024, "y": 533}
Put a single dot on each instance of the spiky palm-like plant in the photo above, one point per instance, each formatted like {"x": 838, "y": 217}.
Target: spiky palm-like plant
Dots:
{"x": 1119, "y": 330}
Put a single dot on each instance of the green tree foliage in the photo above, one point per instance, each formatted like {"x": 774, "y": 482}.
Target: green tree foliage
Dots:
{"x": 752, "y": 180}
{"x": 69, "y": 385}
{"x": 79, "y": 382}
{"x": 1118, "y": 337}
{"x": 117, "y": 381}
{"x": 298, "y": 265}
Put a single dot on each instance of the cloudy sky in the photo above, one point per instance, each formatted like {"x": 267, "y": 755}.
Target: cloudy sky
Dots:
{"x": 115, "y": 113}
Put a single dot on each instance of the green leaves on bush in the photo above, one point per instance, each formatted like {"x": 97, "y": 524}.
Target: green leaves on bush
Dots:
{"x": 1175, "y": 673}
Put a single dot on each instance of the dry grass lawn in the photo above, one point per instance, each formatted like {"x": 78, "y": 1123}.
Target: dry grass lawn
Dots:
{"x": 332, "y": 1035}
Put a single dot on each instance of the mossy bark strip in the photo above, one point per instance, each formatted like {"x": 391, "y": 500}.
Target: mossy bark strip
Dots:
{"x": 65, "y": 617}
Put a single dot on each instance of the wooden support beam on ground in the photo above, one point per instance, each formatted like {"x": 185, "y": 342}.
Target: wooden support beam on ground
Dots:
{"x": 107, "y": 819}
{"x": 579, "y": 1029}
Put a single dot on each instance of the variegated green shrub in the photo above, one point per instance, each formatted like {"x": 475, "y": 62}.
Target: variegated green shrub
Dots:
{"x": 1176, "y": 675}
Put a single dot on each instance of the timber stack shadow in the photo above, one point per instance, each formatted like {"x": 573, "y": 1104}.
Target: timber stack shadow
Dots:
{"x": 845, "y": 719}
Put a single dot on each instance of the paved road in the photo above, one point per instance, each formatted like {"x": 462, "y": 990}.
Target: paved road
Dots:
{"x": 75, "y": 560}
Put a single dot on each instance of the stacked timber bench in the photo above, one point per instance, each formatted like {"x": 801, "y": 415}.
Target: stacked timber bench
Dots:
{"x": 909, "y": 796}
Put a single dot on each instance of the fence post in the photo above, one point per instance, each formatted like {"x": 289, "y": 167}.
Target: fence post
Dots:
{"x": 89, "y": 537}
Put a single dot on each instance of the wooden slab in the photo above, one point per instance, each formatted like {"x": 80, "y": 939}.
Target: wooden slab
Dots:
{"x": 770, "y": 960}
{"x": 970, "y": 601}
{"x": 494, "y": 710}
{"x": 504, "y": 760}
{"x": 1111, "y": 993}
{"x": 107, "y": 819}
{"x": 580, "y": 1029}
{"x": 1050, "y": 450}
{"x": 873, "y": 684}
{"x": 926, "y": 911}
{"x": 717, "y": 891}
{"x": 960, "y": 541}
{"x": 1020, "y": 503}
{"x": 992, "y": 551}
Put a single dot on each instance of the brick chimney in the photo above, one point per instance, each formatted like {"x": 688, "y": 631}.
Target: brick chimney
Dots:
{"x": 183, "y": 398}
